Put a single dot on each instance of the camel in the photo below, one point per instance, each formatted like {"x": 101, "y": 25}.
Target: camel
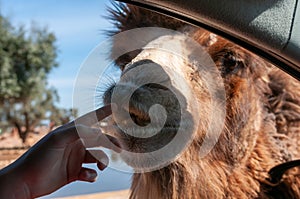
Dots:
{"x": 256, "y": 153}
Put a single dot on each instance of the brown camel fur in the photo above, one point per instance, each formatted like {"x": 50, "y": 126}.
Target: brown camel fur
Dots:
{"x": 262, "y": 126}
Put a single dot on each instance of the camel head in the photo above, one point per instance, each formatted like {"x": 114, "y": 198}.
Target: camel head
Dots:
{"x": 199, "y": 112}
{"x": 186, "y": 89}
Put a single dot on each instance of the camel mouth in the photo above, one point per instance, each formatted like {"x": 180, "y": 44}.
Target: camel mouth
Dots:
{"x": 147, "y": 144}
{"x": 137, "y": 109}
{"x": 141, "y": 133}
{"x": 153, "y": 117}
{"x": 150, "y": 109}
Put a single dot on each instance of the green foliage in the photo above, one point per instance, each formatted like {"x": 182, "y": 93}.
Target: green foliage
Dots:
{"x": 26, "y": 58}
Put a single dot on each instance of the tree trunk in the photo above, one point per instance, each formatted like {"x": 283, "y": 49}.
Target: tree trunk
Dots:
{"x": 22, "y": 134}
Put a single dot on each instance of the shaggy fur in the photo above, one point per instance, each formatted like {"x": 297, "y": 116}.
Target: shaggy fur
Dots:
{"x": 262, "y": 124}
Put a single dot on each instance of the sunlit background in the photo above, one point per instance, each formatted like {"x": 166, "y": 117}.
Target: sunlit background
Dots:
{"x": 79, "y": 26}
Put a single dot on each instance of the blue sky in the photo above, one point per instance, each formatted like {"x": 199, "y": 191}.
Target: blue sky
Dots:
{"x": 78, "y": 26}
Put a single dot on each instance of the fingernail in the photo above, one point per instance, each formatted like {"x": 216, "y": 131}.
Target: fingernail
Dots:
{"x": 91, "y": 175}
{"x": 102, "y": 164}
{"x": 104, "y": 161}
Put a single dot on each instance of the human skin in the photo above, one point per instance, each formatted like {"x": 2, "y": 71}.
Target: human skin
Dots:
{"x": 56, "y": 160}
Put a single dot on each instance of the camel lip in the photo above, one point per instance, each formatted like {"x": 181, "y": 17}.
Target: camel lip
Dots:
{"x": 168, "y": 128}
{"x": 133, "y": 143}
{"x": 132, "y": 138}
{"x": 142, "y": 119}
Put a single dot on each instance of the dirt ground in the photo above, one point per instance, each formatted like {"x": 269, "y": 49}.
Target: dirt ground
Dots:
{"x": 12, "y": 147}
{"x": 124, "y": 194}
{"x": 7, "y": 156}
